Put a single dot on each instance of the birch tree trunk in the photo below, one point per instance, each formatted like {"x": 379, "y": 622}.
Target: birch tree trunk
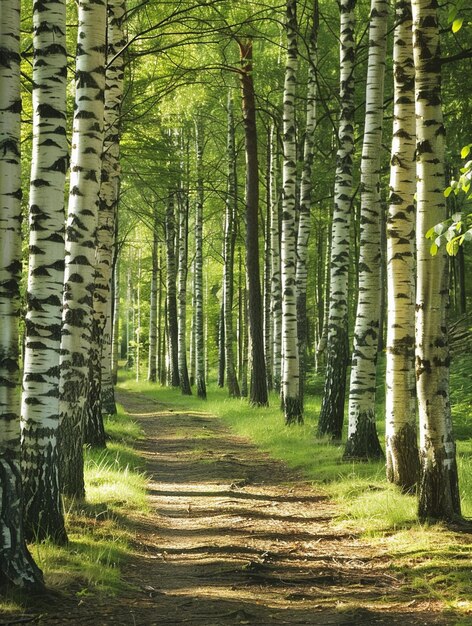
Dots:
{"x": 81, "y": 226}
{"x": 116, "y": 320}
{"x": 43, "y": 511}
{"x": 258, "y": 385}
{"x": 438, "y": 483}
{"x": 268, "y": 325}
{"x": 107, "y": 215}
{"x": 276, "y": 288}
{"x": 172, "y": 320}
{"x": 304, "y": 217}
{"x": 17, "y": 567}
{"x": 182, "y": 295}
{"x": 363, "y": 442}
{"x": 198, "y": 271}
{"x": 228, "y": 268}
{"x": 153, "y": 309}
{"x": 400, "y": 409}
{"x": 293, "y": 409}
{"x": 337, "y": 349}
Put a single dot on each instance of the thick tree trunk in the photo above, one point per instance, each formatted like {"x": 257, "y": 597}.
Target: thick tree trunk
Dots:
{"x": 258, "y": 387}
{"x": 332, "y": 408}
{"x": 17, "y": 567}
{"x": 400, "y": 408}
{"x": 198, "y": 272}
{"x": 116, "y": 320}
{"x": 438, "y": 485}
{"x": 43, "y": 511}
{"x": 87, "y": 145}
{"x": 291, "y": 400}
{"x": 268, "y": 322}
{"x": 362, "y": 442}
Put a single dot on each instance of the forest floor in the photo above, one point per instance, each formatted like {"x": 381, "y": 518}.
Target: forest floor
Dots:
{"x": 234, "y": 537}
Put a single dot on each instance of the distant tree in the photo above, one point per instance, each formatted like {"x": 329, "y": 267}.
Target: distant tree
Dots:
{"x": 200, "y": 377}
{"x": 258, "y": 385}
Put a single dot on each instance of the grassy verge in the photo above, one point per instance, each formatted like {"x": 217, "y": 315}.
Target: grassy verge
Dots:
{"x": 434, "y": 562}
{"x": 98, "y": 537}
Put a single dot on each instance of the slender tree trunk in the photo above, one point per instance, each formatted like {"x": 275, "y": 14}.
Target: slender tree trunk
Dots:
{"x": 107, "y": 215}
{"x": 43, "y": 510}
{"x": 276, "y": 288}
{"x": 116, "y": 320}
{"x": 153, "y": 310}
{"x": 172, "y": 320}
{"x": 363, "y": 441}
{"x": 228, "y": 268}
{"x": 198, "y": 271}
{"x": 268, "y": 323}
{"x": 258, "y": 387}
{"x": 221, "y": 347}
{"x": 108, "y": 403}
{"x": 291, "y": 400}
{"x": 87, "y": 145}
{"x": 438, "y": 485}
{"x": 306, "y": 184}
{"x": 138, "y": 320}
{"x": 332, "y": 408}
{"x": 182, "y": 296}
{"x": 400, "y": 409}
{"x": 17, "y": 567}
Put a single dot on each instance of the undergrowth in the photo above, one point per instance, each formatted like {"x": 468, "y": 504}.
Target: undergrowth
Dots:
{"x": 99, "y": 539}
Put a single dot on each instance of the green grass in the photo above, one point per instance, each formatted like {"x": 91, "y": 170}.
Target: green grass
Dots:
{"x": 98, "y": 538}
{"x": 434, "y": 561}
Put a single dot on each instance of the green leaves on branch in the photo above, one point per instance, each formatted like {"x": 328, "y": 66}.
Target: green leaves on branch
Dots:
{"x": 452, "y": 18}
{"x": 458, "y": 228}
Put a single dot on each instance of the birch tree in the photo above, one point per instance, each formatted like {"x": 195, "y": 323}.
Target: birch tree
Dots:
{"x": 276, "y": 288}
{"x": 438, "y": 483}
{"x": 182, "y": 294}
{"x": 400, "y": 409}
{"x": 81, "y": 226}
{"x": 362, "y": 439}
{"x": 43, "y": 511}
{"x": 17, "y": 567}
{"x": 228, "y": 268}
{"x": 293, "y": 409}
{"x": 171, "y": 292}
{"x": 200, "y": 378}
{"x": 337, "y": 350}
{"x": 306, "y": 185}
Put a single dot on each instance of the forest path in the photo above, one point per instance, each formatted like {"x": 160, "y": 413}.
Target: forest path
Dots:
{"x": 238, "y": 538}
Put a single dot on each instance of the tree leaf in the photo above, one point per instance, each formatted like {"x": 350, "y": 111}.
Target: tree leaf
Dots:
{"x": 457, "y": 24}
{"x": 447, "y": 192}
{"x": 465, "y": 151}
{"x": 434, "y": 249}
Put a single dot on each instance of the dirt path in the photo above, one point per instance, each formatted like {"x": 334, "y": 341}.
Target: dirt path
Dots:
{"x": 237, "y": 538}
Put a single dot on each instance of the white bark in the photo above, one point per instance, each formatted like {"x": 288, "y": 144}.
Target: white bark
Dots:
{"x": 40, "y": 399}
{"x": 362, "y": 437}
{"x": 438, "y": 489}
{"x": 290, "y": 354}
{"x": 400, "y": 406}
{"x": 81, "y": 226}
